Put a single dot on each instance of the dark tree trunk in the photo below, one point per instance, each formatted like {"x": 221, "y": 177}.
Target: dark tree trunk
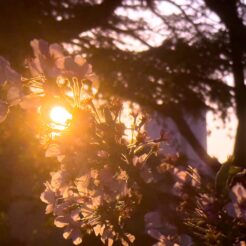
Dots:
{"x": 227, "y": 11}
{"x": 185, "y": 130}
{"x": 240, "y": 98}
{"x": 177, "y": 116}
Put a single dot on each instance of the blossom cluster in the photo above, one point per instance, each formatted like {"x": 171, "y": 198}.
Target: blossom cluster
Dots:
{"x": 105, "y": 181}
{"x": 237, "y": 205}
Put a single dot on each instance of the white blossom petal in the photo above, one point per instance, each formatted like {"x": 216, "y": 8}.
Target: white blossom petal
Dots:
{"x": 76, "y": 237}
{"x": 61, "y": 221}
{"x": 67, "y": 232}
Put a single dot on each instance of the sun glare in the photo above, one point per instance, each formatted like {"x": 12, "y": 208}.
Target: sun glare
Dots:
{"x": 59, "y": 115}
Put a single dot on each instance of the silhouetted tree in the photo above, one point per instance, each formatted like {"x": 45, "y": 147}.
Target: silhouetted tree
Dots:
{"x": 185, "y": 57}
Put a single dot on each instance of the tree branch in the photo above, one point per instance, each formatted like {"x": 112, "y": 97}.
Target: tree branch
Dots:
{"x": 229, "y": 15}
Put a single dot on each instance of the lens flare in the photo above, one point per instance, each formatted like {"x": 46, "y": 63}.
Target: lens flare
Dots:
{"x": 60, "y": 116}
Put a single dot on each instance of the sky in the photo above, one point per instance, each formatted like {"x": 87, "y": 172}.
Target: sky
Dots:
{"x": 220, "y": 138}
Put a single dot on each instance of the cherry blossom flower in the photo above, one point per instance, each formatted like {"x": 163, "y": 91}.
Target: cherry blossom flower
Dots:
{"x": 53, "y": 72}
{"x": 48, "y": 197}
{"x": 163, "y": 232}
{"x": 50, "y": 61}
{"x": 76, "y": 202}
{"x": 103, "y": 178}
{"x": 10, "y": 82}
{"x": 8, "y": 75}
{"x": 71, "y": 224}
{"x": 237, "y": 208}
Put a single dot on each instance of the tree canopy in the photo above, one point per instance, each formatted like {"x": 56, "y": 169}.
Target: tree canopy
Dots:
{"x": 171, "y": 56}
{"x": 185, "y": 51}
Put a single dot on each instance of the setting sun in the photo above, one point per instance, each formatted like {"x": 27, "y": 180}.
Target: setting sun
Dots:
{"x": 59, "y": 115}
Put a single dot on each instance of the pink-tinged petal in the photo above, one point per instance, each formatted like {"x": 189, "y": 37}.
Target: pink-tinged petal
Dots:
{"x": 14, "y": 95}
{"x": 7, "y": 73}
{"x": 67, "y": 232}
{"x": 84, "y": 69}
{"x": 75, "y": 214}
{"x": 76, "y": 237}
{"x": 61, "y": 221}
{"x": 96, "y": 201}
{"x": 12, "y": 76}
{"x": 40, "y": 47}
{"x": 67, "y": 192}
{"x": 4, "y": 109}
{"x": 49, "y": 209}
{"x": 108, "y": 235}
{"x": 130, "y": 237}
{"x": 94, "y": 174}
{"x": 48, "y": 196}
{"x": 154, "y": 233}
{"x": 56, "y": 51}
{"x": 110, "y": 241}
{"x": 50, "y": 71}
{"x": 86, "y": 212}
{"x": 79, "y": 60}
{"x": 60, "y": 63}
{"x": 124, "y": 243}
{"x": 102, "y": 154}
{"x": 240, "y": 193}
{"x": 182, "y": 175}
{"x": 59, "y": 179}
{"x": 34, "y": 66}
{"x": 82, "y": 183}
{"x": 69, "y": 66}
{"x": 177, "y": 188}
{"x": 98, "y": 230}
